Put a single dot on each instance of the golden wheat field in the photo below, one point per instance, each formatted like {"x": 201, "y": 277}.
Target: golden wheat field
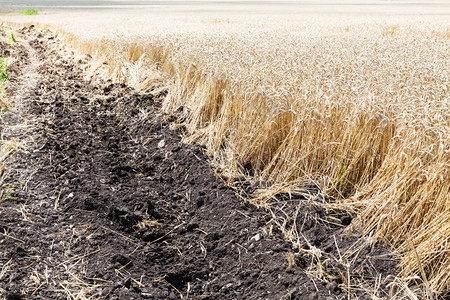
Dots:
{"x": 355, "y": 100}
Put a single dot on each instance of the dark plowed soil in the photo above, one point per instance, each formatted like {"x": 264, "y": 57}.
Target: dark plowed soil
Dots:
{"x": 102, "y": 201}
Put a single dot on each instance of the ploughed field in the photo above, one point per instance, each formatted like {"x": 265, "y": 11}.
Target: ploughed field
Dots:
{"x": 347, "y": 104}
{"x": 101, "y": 200}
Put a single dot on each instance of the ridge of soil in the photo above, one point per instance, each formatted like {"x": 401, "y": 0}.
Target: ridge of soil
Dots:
{"x": 104, "y": 201}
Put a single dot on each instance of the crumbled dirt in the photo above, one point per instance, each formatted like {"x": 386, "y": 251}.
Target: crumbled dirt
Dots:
{"x": 102, "y": 201}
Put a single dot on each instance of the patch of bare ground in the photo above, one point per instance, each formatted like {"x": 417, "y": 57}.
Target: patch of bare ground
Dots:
{"x": 103, "y": 201}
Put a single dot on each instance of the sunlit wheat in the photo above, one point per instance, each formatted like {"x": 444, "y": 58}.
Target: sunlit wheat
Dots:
{"x": 358, "y": 105}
